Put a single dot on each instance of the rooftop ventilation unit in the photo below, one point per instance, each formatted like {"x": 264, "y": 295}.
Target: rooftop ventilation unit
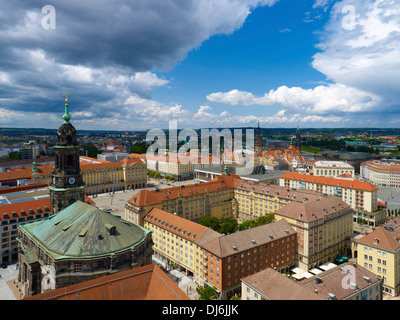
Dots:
{"x": 331, "y": 296}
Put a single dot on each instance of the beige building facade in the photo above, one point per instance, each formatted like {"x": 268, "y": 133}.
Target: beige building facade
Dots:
{"x": 178, "y": 241}
{"x": 323, "y": 229}
{"x": 358, "y": 194}
{"x": 379, "y": 252}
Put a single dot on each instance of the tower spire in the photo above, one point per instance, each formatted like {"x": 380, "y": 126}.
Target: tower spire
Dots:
{"x": 66, "y": 115}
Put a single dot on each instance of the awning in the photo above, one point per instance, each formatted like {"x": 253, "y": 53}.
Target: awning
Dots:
{"x": 316, "y": 271}
{"x": 327, "y": 266}
{"x": 341, "y": 259}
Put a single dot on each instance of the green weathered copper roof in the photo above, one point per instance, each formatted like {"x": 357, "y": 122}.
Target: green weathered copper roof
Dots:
{"x": 82, "y": 230}
{"x": 66, "y": 115}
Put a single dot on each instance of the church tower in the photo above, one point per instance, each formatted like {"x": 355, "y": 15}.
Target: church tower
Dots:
{"x": 67, "y": 184}
{"x": 298, "y": 139}
{"x": 258, "y": 144}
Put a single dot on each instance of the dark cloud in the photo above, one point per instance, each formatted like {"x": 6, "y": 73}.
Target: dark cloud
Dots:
{"x": 99, "y": 46}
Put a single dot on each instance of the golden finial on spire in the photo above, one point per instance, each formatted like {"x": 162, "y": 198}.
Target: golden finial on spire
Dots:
{"x": 66, "y": 96}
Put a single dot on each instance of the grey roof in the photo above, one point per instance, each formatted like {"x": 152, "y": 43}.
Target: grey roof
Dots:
{"x": 276, "y": 286}
{"x": 243, "y": 240}
{"x": 83, "y": 230}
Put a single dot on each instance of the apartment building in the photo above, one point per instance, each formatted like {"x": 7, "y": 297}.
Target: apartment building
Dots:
{"x": 191, "y": 202}
{"x": 257, "y": 199}
{"x": 12, "y": 216}
{"x": 226, "y": 195}
{"x": 178, "y": 241}
{"x": 379, "y": 252}
{"x": 323, "y": 227}
{"x": 381, "y": 172}
{"x": 358, "y": 194}
{"x": 181, "y": 167}
{"x": 98, "y": 177}
{"x": 326, "y": 168}
{"x": 230, "y": 258}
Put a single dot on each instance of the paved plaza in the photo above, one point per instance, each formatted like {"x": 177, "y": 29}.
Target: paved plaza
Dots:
{"x": 389, "y": 195}
{"x": 115, "y": 202}
{"x": 7, "y": 287}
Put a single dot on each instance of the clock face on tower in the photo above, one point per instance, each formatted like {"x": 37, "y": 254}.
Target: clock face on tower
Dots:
{"x": 71, "y": 180}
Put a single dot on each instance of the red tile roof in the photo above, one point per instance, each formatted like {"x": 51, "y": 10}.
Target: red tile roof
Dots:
{"x": 351, "y": 184}
{"x": 180, "y": 226}
{"x": 152, "y": 197}
{"x": 28, "y": 208}
{"x": 23, "y": 209}
{"x": 142, "y": 283}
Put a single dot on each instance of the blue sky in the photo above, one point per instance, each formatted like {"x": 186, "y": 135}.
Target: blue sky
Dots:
{"x": 273, "y": 48}
{"x": 204, "y": 63}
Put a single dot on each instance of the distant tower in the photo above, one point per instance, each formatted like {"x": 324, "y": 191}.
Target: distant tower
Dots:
{"x": 298, "y": 139}
{"x": 67, "y": 184}
{"x": 342, "y": 145}
{"x": 258, "y": 145}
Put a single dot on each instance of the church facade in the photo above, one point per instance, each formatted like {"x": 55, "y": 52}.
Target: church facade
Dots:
{"x": 78, "y": 242}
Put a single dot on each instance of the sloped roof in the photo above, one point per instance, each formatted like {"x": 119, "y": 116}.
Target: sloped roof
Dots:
{"x": 351, "y": 184}
{"x": 386, "y": 236}
{"x": 277, "y": 286}
{"x": 312, "y": 210}
{"x": 82, "y": 230}
{"x": 279, "y": 191}
{"x": 142, "y": 283}
{"x": 151, "y": 197}
{"x": 240, "y": 241}
{"x": 331, "y": 281}
{"x": 180, "y": 226}
{"x": 28, "y": 208}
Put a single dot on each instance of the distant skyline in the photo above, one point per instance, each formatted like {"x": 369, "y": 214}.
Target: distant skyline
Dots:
{"x": 224, "y": 63}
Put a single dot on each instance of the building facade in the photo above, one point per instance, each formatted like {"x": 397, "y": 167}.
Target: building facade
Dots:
{"x": 358, "y": 194}
{"x": 98, "y": 177}
{"x": 14, "y": 215}
{"x": 379, "y": 252}
{"x": 227, "y": 195}
{"x": 333, "y": 169}
{"x": 191, "y": 202}
{"x": 323, "y": 229}
{"x": 178, "y": 242}
{"x": 232, "y": 257}
{"x": 384, "y": 173}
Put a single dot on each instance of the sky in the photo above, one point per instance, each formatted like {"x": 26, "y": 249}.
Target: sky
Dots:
{"x": 139, "y": 64}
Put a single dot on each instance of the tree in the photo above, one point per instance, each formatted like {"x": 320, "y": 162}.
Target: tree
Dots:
{"x": 228, "y": 225}
{"x": 139, "y": 147}
{"x": 210, "y": 222}
{"x": 207, "y": 293}
{"x": 91, "y": 150}
{"x": 247, "y": 224}
{"x": 14, "y": 155}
